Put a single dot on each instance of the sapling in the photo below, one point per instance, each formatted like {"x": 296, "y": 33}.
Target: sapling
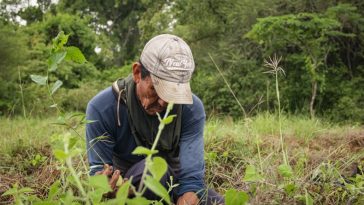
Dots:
{"x": 153, "y": 183}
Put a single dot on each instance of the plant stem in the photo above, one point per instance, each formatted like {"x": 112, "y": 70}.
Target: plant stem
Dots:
{"x": 50, "y": 94}
{"x": 260, "y": 157}
{"x": 279, "y": 119}
{"x": 73, "y": 172}
{"x": 149, "y": 157}
{"x": 268, "y": 95}
{"x": 231, "y": 91}
{"x": 22, "y": 95}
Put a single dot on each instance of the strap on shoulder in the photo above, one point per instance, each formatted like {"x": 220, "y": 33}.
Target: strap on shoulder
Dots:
{"x": 118, "y": 88}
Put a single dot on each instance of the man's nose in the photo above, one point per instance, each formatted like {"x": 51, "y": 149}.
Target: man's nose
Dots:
{"x": 162, "y": 103}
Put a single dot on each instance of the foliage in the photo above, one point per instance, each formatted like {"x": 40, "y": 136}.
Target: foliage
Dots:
{"x": 13, "y": 53}
{"x": 116, "y": 19}
{"x": 310, "y": 39}
{"x": 321, "y": 43}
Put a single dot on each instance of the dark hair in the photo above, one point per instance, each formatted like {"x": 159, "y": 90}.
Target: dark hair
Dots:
{"x": 145, "y": 72}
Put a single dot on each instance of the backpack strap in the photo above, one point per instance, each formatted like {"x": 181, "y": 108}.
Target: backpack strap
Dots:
{"x": 119, "y": 88}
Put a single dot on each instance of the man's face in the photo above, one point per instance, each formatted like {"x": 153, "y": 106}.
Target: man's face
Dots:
{"x": 148, "y": 96}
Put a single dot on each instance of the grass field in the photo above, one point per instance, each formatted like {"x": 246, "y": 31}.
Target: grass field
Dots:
{"x": 325, "y": 159}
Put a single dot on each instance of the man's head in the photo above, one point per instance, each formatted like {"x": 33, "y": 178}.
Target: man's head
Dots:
{"x": 163, "y": 73}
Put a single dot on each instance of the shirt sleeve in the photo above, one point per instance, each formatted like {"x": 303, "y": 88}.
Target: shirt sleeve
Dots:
{"x": 100, "y": 142}
{"x": 191, "y": 177}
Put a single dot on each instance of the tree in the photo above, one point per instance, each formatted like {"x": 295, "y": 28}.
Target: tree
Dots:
{"x": 307, "y": 34}
{"x": 13, "y": 53}
{"x": 116, "y": 19}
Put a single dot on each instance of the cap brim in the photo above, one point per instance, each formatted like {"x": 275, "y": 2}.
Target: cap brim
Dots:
{"x": 178, "y": 93}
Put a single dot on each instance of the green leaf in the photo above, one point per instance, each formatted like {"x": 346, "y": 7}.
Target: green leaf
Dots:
{"x": 40, "y": 80}
{"x": 60, "y": 121}
{"x": 74, "y": 152}
{"x": 122, "y": 194}
{"x": 74, "y": 54}
{"x": 144, "y": 151}
{"x": 168, "y": 119}
{"x": 225, "y": 154}
{"x": 290, "y": 189}
{"x": 42, "y": 202}
{"x": 234, "y": 197}
{"x": 156, "y": 187}
{"x": 138, "y": 201}
{"x": 170, "y": 106}
{"x": 100, "y": 183}
{"x": 211, "y": 156}
{"x": 11, "y": 191}
{"x": 60, "y": 40}
{"x": 54, "y": 189}
{"x": 55, "y": 59}
{"x": 285, "y": 170}
{"x": 158, "y": 167}
{"x": 25, "y": 190}
{"x": 251, "y": 175}
{"x": 72, "y": 142}
{"x": 56, "y": 85}
{"x": 308, "y": 198}
{"x": 60, "y": 154}
{"x": 69, "y": 197}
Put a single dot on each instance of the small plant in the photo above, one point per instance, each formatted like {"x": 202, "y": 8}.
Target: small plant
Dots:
{"x": 37, "y": 160}
{"x": 59, "y": 52}
{"x": 157, "y": 166}
{"x": 285, "y": 170}
{"x": 19, "y": 194}
{"x": 273, "y": 64}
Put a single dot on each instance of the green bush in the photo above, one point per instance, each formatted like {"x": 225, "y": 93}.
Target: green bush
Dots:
{"x": 77, "y": 99}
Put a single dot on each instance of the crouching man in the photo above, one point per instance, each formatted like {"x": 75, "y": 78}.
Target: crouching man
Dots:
{"x": 125, "y": 114}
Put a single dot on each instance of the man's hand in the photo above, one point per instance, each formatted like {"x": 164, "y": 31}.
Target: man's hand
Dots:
{"x": 113, "y": 179}
{"x": 188, "y": 198}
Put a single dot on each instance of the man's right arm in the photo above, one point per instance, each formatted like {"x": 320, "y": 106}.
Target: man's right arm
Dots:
{"x": 99, "y": 139}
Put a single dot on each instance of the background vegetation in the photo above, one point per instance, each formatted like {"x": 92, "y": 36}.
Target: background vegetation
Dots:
{"x": 321, "y": 43}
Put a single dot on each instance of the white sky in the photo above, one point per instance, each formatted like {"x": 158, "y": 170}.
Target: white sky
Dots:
{"x": 24, "y": 3}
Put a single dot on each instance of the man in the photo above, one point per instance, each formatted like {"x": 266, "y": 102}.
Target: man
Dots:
{"x": 125, "y": 115}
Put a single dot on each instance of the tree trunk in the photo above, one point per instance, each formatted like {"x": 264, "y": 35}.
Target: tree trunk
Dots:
{"x": 313, "y": 97}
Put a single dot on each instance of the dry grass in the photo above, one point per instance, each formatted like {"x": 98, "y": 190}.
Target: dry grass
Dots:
{"x": 314, "y": 149}
{"x": 311, "y": 145}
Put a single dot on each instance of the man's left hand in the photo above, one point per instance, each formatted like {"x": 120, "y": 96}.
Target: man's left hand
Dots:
{"x": 188, "y": 198}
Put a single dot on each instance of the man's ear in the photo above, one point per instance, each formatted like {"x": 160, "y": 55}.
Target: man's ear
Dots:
{"x": 137, "y": 72}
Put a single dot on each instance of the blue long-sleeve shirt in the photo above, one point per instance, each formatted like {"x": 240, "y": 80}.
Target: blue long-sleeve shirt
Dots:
{"x": 119, "y": 139}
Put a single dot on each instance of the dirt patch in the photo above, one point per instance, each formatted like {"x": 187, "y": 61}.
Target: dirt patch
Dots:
{"x": 342, "y": 148}
{"x": 20, "y": 170}
{"x": 356, "y": 141}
